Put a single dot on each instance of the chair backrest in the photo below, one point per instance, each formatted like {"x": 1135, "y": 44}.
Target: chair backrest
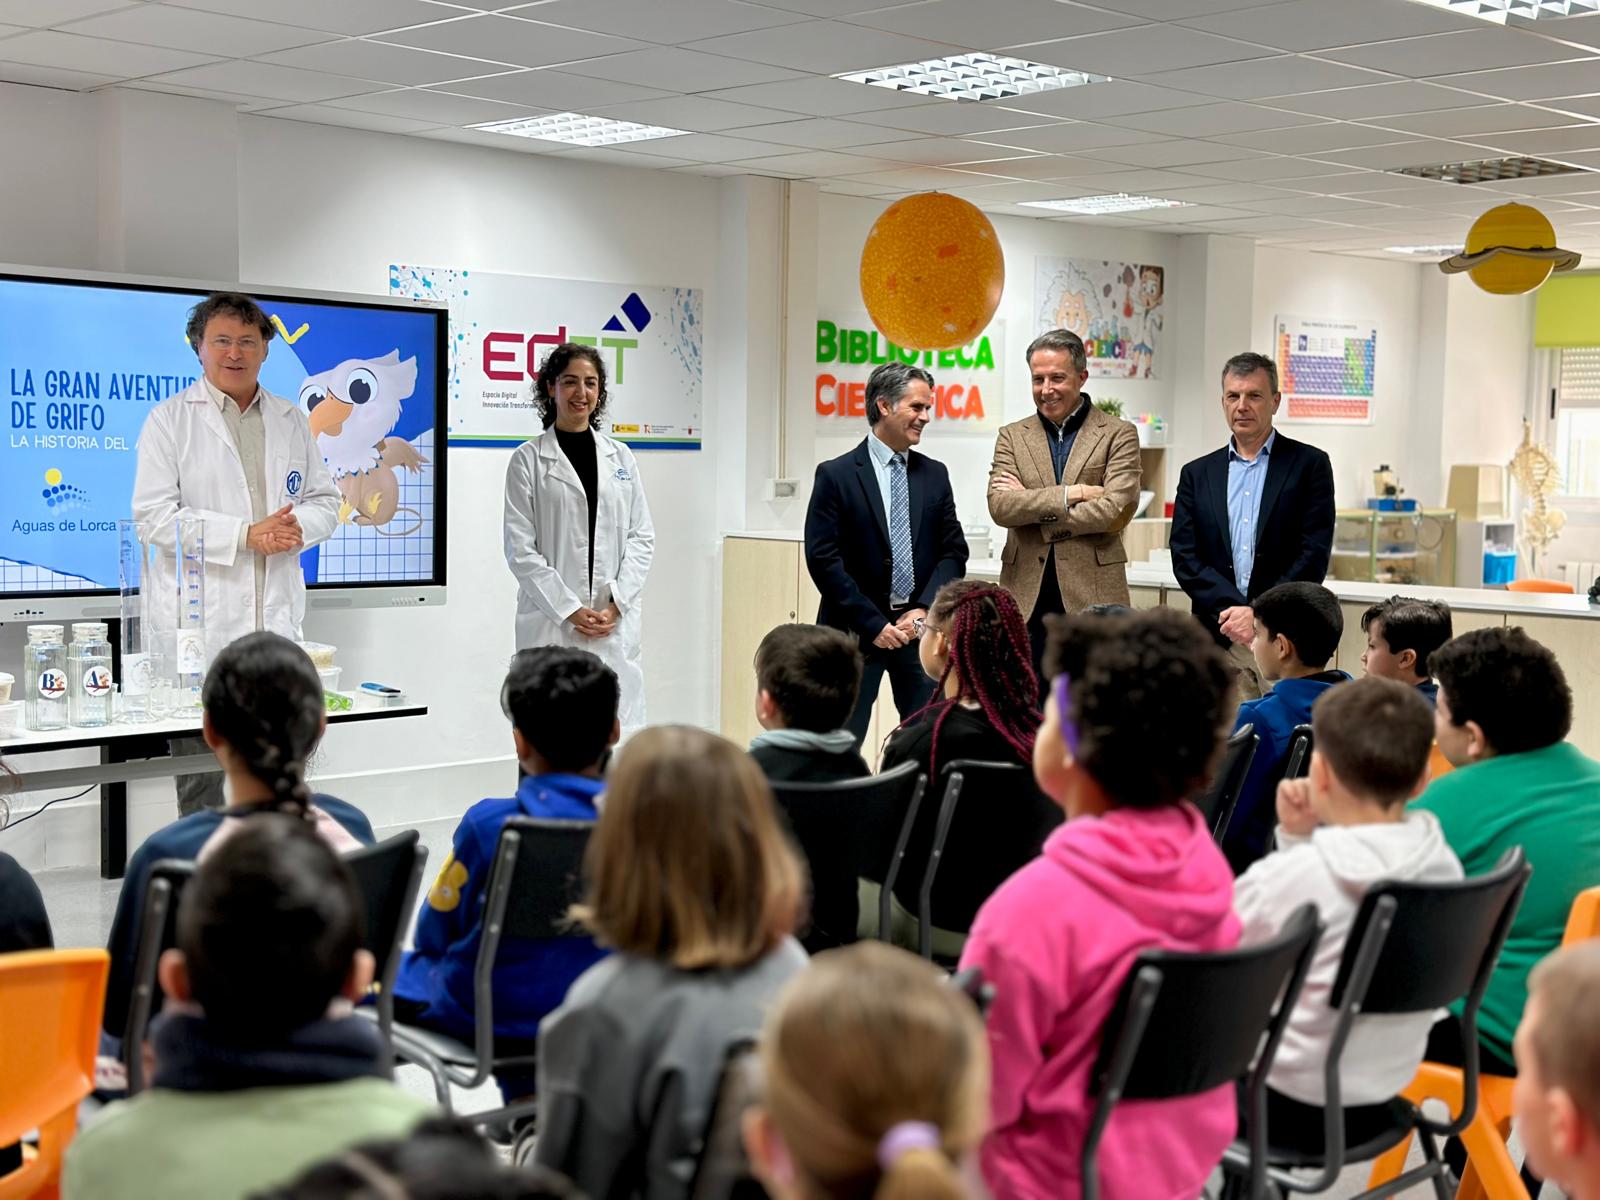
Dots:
{"x": 722, "y": 1168}
{"x": 1583, "y": 919}
{"x": 388, "y": 876}
{"x": 1437, "y": 943}
{"x": 1219, "y": 800}
{"x": 991, "y": 820}
{"x": 158, "y": 932}
{"x": 1297, "y": 764}
{"x": 1185, "y": 1023}
{"x": 51, "y": 1002}
{"x": 849, "y": 830}
{"x": 1553, "y": 587}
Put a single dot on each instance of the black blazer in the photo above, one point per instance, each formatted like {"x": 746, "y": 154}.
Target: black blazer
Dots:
{"x": 1294, "y": 536}
{"x": 847, "y": 539}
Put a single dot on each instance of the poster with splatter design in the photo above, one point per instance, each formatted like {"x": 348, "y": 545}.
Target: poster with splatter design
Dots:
{"x": 1114, "y": 307}
{"x": 503, "y": 326}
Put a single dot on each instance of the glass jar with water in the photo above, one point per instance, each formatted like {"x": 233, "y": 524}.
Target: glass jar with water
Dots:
{"x": 45, "y": 675}
{"x": 91, "y": 698}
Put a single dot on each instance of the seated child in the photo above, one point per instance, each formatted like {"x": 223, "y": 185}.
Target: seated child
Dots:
{"x": 875, "y": 1079}
{"x": 1557, "y": 1097}
{"x": 692, "y": 884}
{"x": 263, "y": 719}
{"x": 1342, "y": 829}
{"x": 975, "y": 644}
{"x": 260, "y": 1067}
{"x": 1401, "y": 634}
{"x": 1134, "y": 724}
{"x": 1298, "y": 626}
{"x": 562, "y": 703}
{"x": 443, "y": 1158}
{"x": 807, "y": 677}
{"x": 1503, "y": 715}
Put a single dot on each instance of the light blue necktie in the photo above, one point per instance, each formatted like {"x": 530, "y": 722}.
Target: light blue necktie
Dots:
{"x": 901, "y": 575}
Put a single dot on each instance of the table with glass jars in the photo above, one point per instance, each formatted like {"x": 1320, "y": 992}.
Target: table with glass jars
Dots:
{"x": 69, "y": 707}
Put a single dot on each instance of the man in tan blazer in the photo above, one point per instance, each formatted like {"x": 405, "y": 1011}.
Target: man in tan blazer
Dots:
{"x": 1064, "y": 483}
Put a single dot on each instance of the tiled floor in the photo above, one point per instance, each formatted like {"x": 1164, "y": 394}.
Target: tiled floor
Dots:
{"x": 81, "y": 905}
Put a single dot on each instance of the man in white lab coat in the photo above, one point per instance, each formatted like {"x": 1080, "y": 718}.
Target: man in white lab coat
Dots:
{"x": 245, "y": 463}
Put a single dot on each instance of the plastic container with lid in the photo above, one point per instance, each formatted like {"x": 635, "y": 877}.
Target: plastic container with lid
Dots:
{"x": 91, "y": 698}
{"x": 45, "y": 676}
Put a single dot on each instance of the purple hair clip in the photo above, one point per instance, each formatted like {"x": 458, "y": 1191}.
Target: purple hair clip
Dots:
{"x": 1069, "y": 729}
{"x": 907, "y": 1135}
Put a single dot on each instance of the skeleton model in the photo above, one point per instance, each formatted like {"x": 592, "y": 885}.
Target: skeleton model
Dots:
{"x": 1535, "y": 469}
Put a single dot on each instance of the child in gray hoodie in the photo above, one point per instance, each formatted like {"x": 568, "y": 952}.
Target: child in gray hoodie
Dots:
{"x": 1342, "y": 830}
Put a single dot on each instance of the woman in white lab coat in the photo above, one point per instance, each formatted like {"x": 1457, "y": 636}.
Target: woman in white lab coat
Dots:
{"x": 578, "y": 535}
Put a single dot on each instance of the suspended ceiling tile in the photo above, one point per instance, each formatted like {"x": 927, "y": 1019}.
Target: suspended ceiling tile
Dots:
{"x": 511, "y": 40}
{"x": 1378, "y": 100}
{"x": 695, "y": 113}
{"x": 1146, "y": 50}
{"x": 95, "y": 56}
{"x": 350, "y": 17}
{"x": 212, "y": 34}
{"x": 269, "y": 81}
{"x": 555, "y": 90}
{"x": 677, "y": 69}
{"x": 1580, "y": 78}
{"x": 1319, "y": 25}
{"x": 824, "y": 47}
{"x": 1484, "y": 49}
{"x": 667, "y": 24}
{"x": 824, "y": 133}
{"x": 995, "y": 24}
{"x": 1214, "y": 120}
{"x": 1275, "y": 76}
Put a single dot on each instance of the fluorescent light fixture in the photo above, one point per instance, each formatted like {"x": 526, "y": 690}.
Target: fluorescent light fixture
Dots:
{"x": 1099, "y": 206}
{"x": 1491, "y": 170}
{"x": 1426, "y": 251}
{"x": 974, "y": 77}
{"x": 579, "y": 130}
{"x": 1498, "y": 10}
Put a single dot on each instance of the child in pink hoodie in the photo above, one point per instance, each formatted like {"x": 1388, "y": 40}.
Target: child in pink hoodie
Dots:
{"x": 1136, "y": 716}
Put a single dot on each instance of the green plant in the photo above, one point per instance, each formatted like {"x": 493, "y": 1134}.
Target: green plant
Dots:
{"x": 1112, "y": 408}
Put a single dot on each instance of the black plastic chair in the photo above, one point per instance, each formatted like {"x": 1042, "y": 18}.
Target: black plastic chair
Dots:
{"x": 158, "y": 932}
{"x": 388, "y": 876}
{"x": 1219, "y": 800}
{"x": 1001, "y": 828}
{"x": 535, "y": 879}
{"x": 1414, "y": 947}
{"x": 1297, "y": 763}
{"x": 1187, "y": 1023}
{"x": 855, "y": 829}
{"x": 722, "y": 1168}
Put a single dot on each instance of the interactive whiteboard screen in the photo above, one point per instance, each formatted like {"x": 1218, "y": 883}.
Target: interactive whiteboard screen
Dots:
{"x": 83, "y": 361}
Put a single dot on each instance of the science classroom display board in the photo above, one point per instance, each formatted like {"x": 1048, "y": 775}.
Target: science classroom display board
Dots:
{"x": 1326, "y": 369}
{"x": 1115, "y": 307}
{"x": 82, "y": 365}
{"x": 503, "y": 326}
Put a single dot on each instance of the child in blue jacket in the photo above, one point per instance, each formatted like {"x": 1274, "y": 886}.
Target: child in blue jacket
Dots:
{"x": 1298, "y": 627}
{"x": 563, "y": 708}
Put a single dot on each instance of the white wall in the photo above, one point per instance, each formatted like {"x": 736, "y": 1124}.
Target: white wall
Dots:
{"x": 842, "y": 230}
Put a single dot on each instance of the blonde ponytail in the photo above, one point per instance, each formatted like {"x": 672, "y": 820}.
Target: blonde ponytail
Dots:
{"x": 876, "y": 1077}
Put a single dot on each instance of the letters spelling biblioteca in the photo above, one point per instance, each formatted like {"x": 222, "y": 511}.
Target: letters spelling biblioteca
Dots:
{"x": 835, "y": 397}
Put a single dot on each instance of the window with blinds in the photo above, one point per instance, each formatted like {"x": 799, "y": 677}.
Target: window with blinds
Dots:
{"x": 1578, "y": 421}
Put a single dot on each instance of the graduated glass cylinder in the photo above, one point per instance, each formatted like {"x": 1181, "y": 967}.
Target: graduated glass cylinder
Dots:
{"x": 136, "y": 561}
{"x": 190, "y": 635}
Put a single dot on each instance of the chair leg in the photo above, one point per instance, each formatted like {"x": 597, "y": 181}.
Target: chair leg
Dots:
{"x": 1389, "y": 1164}
{"x": 1441, "y": 1176}
{"x": 1490, "y": 1173}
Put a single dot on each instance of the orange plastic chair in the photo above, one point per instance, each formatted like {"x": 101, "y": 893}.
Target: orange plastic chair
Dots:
{"x": 1554, "y": 586}
{"x": 1490, "y": 1174}
{"x": 50, "y": 1009}
{"x": 1438, "y": 764}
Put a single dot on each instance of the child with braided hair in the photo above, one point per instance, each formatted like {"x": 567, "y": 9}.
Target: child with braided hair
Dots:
{"x": 975, "y": 646}
{"x": 263, "y": 719}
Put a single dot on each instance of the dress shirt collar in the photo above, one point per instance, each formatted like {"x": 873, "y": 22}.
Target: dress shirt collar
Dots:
{"x": 221, "y": 398}
{"x": 1073, "y": 422}
{"x": 880, "y": 451}
{"x": 1264, "y": 452}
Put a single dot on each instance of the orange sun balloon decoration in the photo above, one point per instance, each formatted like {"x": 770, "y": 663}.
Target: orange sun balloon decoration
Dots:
{"x": 932, "y": 272}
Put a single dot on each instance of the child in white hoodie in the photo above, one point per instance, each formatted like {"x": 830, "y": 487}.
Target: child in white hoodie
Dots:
{"x": 1342, "y": 830}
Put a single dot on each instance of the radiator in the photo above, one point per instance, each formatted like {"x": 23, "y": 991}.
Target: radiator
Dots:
{"x": 1580, "y": 574}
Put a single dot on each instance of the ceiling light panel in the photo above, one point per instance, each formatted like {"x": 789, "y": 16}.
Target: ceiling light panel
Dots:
{"x": 1498, "y": 10}
{"x": 579, "y": 130}
{"x": 1490, "y": 170}
{"x": 974, "y": 77}
{"x": 1099, "y": 206}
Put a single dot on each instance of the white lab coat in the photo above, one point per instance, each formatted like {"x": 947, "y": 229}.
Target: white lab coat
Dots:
{"x": 189, "y": 466}
{"x": 547, "y": 549}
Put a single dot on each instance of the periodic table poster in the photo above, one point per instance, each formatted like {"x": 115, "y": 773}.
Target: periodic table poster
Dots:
{"x": 1325, "y": 369}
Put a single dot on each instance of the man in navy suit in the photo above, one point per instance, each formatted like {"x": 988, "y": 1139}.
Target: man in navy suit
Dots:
{"x": 1252, "y": 515}
{"x": 882, "y": 538}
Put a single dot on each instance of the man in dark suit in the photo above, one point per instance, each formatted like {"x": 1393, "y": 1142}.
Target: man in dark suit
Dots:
{"x": 882, "y": 537}
{"x": 1252, "y": 515}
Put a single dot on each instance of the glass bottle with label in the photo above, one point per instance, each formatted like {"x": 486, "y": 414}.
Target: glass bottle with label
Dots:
{"x": 45, "y": 666}
{"x": 90, "y": 694}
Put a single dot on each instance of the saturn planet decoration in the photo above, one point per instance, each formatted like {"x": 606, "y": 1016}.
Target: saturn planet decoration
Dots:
{"x": 1511, "y": 249}
{"x": 932, "y": 272}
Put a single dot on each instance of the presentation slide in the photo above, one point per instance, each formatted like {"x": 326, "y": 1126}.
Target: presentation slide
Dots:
{"x": 82, "y": 365}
